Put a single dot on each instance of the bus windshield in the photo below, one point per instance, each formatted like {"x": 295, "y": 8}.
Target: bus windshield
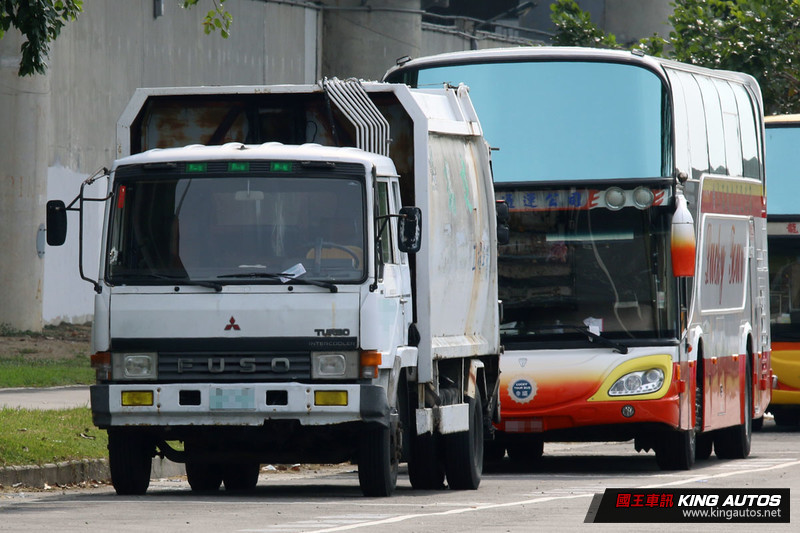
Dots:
{"x": 566, "y": 120}
{"x": 783, "y": 227}
{"x": 566, "y": 270}
{"x": 783, "y": 167}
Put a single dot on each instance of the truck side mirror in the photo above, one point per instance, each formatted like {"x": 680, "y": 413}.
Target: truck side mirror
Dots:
{"x": 56, "y": 223}
{"x": 503, "y": 216}
{"x": 409, "y": 230}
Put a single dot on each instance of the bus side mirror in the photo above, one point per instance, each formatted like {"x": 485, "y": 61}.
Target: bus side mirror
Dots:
{"x": 409, "y": 230}
{"x": 503, "y": 216}
{"x": 56, "y": 223}
{"x": 682, "y": 242}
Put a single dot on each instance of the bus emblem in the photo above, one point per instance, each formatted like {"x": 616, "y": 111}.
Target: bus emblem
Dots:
{"x": 522, "y": 390}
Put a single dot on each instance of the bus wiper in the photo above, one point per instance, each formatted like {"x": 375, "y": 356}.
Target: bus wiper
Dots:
{"x": 285, "y": 276}
{"x": 592, "y": 336}
{"x": 182, "y": 280}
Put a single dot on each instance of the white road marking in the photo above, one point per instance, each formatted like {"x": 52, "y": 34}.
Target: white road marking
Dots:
{"x": 474, "y": 508}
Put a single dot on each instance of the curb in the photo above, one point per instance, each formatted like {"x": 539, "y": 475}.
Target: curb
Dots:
{"x": 75, "y": 472}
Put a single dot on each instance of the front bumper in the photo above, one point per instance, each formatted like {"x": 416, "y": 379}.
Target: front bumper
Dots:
{"x": 236, "y": 404}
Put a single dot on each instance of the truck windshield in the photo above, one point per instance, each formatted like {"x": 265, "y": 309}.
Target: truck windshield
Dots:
{"x": 235, "y": 229}
{"x": 566, "y": 270}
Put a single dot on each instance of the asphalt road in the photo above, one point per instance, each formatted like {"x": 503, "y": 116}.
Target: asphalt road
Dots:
{"x": 555, "y": 496}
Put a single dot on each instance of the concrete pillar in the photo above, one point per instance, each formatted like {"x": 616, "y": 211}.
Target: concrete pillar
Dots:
{"x": 363, "y": 40}
{"x": 24, "y": 119}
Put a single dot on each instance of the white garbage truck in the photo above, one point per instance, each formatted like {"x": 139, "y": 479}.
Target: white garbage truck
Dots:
{"x": 264, "y": 296}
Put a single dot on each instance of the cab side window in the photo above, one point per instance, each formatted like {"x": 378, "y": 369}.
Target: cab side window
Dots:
{"x": 385, "y": 224}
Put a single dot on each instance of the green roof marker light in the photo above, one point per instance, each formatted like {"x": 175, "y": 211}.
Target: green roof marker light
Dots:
{"x": 238, "y": 166}
{"x": 196, "y": 167}
{"x": 281, "y": 166}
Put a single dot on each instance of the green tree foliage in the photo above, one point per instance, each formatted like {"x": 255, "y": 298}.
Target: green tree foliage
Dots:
{"x": 758, "y": 37}
{"x": 39, "y": 22}
{"x": 574, "y": 27}
{"x": 216, "y": 19}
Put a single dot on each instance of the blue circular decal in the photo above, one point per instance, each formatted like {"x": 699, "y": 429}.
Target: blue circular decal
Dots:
{"x": 522, "y": 390}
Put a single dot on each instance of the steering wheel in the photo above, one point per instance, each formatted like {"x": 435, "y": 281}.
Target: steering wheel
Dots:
{"x": 320, "y": 245}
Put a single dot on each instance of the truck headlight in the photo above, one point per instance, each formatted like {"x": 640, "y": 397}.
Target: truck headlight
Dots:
{"x": 334, "y": 365}
{"x": 134, "y": 366}
{"x": 641, "y": 382}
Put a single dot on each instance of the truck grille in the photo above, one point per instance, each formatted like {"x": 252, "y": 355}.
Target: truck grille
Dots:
{"x": 239, "y": 367}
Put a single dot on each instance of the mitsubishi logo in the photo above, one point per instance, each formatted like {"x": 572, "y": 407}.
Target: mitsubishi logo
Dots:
{"x": 232, "y": 325}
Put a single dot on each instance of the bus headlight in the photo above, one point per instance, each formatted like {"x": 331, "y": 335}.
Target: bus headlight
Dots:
{"x": 334, "y": 365}
{"x": 134, "y": 366}
{"x": 643, "y": 197}
{"x": 641, "y": 382}
{"x": 615, "y": 198}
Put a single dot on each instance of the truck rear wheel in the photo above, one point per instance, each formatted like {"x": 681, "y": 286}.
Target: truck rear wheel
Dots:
{"x": 240, "y": 476}
{"x": 203, "y": 476}
{"x": 525, "y": 449}
{"x": 378, "y": 460}
{"x": 425, "y": 467}
{"x": 464, "y": 451}
{"x": 130, "y": 458}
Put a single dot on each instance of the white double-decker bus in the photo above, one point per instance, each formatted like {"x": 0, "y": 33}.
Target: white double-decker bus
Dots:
{"x": 634, "y": 286}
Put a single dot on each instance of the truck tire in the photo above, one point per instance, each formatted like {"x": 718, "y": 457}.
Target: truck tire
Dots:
{"x": 524, "y": 449}
{"x": 378, "y": 460}
{"x": 464, "y": 451}
{"x": 240, "y": 477}
{"x": 425, "y": 467}
{"x": 203, "y": 476}
{"x": 130, "y": 458}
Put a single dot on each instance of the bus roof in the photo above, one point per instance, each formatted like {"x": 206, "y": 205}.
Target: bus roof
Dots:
{"x": 563, "y": 53}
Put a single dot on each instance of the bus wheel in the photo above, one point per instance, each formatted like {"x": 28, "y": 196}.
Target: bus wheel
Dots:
{"x": 734, "y": 442}
{"x": 241, "y": 476}
{"x": 378, "y": 460}
{"x": 464, "y": 451}
{"x": 130, "y": 458}
{"x": 676, "y": 450}
{"x": 203, "y": 476}
{"x": 703, "y": 446}
{"x": 786, "y": 418}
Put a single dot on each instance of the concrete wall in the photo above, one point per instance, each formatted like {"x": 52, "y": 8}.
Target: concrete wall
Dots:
{"x": 24, "y": 113}
{"x": 361, "y": 41}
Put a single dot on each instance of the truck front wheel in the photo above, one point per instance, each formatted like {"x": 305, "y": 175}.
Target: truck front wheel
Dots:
{"x": 130, "y": 458}
{"x": 378, "y": 460}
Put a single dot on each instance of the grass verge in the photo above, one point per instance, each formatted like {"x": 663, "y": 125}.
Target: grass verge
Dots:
{"x": 33, "y": 437}
{"x": 22, "y": 371}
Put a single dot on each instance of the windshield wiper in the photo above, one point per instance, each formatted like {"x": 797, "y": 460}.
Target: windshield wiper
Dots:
{"x": 592, "y": 336}
{"x": 283, "y": 276}
{"x": 180, "y": 280}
